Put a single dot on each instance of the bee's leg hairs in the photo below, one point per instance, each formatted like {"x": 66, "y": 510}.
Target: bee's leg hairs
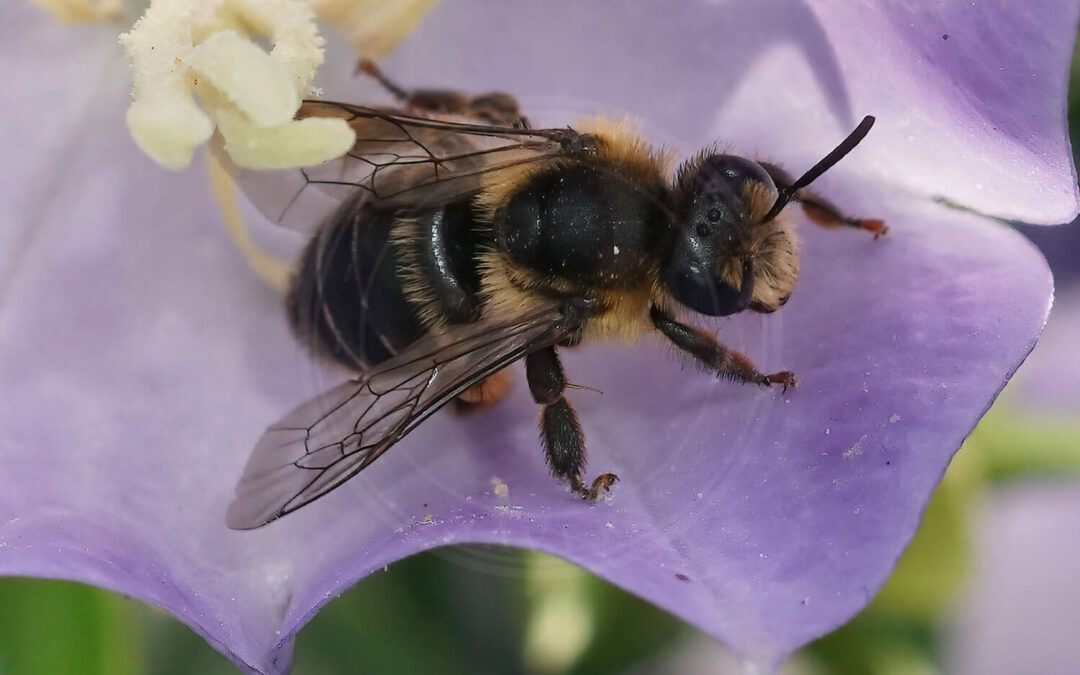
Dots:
{"x": 560, "y": 431}
{"x": 726, "y": 363}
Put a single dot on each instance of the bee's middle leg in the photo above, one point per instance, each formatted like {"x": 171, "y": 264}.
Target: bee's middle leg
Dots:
{"x": 560, "y": 431}
{"x": 710, "y": 353}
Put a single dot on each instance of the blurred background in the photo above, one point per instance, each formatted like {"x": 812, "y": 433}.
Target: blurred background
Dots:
{"x": 989, "y": 585}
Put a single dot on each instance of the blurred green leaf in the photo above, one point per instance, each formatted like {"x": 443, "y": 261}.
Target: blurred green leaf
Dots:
{"x": 1012, "y": 444}
{"x": 878, "y": 644}
{"x": 581, "y": 624}
{"x": 65, "y": 628}
{"x": 629, "y": 630}
{"x": 425, "y": 614}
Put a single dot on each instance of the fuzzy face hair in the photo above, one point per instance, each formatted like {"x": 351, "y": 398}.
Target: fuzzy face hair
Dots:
{"x": 723, "y": 200}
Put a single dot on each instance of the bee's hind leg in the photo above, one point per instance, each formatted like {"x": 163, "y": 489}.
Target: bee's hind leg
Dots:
{"x": 821, "y": 210}
{"x": 486, "y": 393}
{"x": 497, "y": 108}
{"x": 560, "y": 431}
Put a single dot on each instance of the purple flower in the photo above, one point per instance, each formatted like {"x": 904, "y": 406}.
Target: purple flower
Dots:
{"x": 140, "y": 360}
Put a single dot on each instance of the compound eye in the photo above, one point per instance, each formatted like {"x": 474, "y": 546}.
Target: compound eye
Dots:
{"x": 736, "y": 170}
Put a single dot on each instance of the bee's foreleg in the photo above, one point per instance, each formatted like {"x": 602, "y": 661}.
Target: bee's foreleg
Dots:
{"x": 821, "y": 210}
{"x": 725, "y": 362}
{"x": 560, "y": 431}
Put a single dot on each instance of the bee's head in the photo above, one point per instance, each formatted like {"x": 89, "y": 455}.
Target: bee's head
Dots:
{"x": 731, "y": 249}
{"x": 729, "y": 252}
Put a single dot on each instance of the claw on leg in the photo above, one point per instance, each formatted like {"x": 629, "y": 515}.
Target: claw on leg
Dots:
{"x": 600, "y": 486}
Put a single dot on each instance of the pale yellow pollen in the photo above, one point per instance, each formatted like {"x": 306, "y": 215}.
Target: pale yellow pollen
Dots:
{"x": 82, "y": 11}
{"x": 299, "y": 143}
{"x": 249, "y": 78}
{"x": 180, "y": 47}
{"x": 374, "y": 27}
{"x": 500, "y": 487}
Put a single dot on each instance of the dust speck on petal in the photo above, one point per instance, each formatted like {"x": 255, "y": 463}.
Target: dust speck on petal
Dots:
{"x": 856, "y": 448}
{"x": 512, "y": 511}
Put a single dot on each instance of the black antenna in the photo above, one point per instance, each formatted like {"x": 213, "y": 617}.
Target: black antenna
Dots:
{"x": 786, "y": 194}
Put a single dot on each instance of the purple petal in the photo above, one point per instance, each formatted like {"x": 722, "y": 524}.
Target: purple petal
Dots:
{"x": 1049, "y": 385}
{"x": 972, "y": 98}
{"x": 45, "y": 103}
{"x": 977, "y": 119}
{"x": 140, "y": 361}
{"x": 135, "y": 383}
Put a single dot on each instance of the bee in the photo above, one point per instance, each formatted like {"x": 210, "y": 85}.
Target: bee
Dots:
{"x": 464, "y": 240}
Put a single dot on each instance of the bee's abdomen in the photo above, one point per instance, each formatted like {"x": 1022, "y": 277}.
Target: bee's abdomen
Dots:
{"x": 347, "y": 300}
{"x": 440, "y": 250}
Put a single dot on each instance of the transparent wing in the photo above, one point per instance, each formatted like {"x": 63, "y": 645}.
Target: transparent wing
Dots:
{"x": 399, "y": 161}
{"x": 331, "y": 438}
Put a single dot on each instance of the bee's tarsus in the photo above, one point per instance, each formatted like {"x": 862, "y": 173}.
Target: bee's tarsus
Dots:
{"x": 600, "y": 485}
{"x": 874, "y": 226}
{"x": 784, "y": 377}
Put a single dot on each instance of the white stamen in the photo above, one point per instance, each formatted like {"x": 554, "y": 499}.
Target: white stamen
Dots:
{"x": 180, "y": 45}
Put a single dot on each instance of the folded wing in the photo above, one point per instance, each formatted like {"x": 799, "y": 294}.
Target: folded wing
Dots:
{"x": 334, "y": 436}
